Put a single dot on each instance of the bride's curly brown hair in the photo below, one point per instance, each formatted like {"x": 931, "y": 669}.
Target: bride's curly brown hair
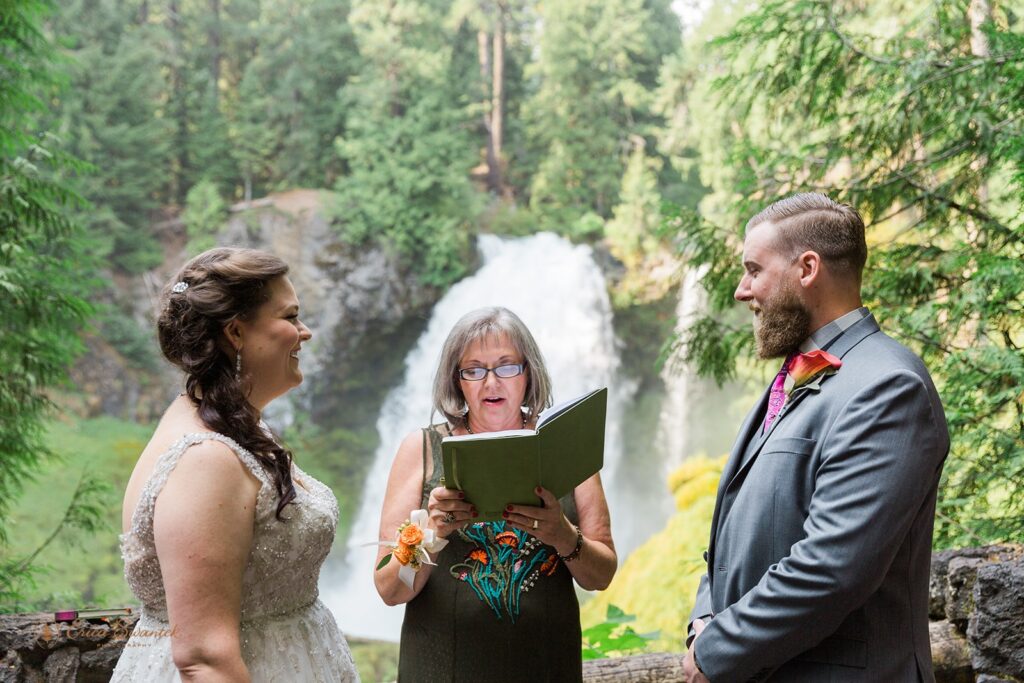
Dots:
{"x": 224, "y": 284}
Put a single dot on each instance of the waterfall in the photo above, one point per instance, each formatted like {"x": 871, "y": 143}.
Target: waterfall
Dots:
{"x": 675, "y": 438}
{"x": 559, "y": 292}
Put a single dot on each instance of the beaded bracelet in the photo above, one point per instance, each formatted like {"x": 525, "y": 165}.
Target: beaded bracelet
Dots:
{"x": 575, "y": 551}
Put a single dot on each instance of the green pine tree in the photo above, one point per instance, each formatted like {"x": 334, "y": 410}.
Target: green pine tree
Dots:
{"x": 407, "y": 145}
{"x": 42, "y": 302}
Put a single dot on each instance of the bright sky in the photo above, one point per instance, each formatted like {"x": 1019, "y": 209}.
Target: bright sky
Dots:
{"x": 690, "y": 12}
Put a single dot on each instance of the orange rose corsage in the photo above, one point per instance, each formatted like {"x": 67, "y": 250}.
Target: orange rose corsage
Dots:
{"x": 412, "y": 547}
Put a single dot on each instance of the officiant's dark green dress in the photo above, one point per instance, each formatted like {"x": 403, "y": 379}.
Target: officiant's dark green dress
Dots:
{"x": 500, "y": 605}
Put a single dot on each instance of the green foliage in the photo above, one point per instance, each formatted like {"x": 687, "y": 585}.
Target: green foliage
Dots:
{"x": 41, "y": 301}
{"x": 287, "y": 111}
{"x": 205, "y": 213}
{"x": 339, "y": 458}
{"x": 56, "y": 520}
{"x": 84, "y": 516}
{"x": 376, "y": 660}
{"x": 133, "y": 343}
{"x": 658, "y": 580}
{"x": 915, "y": 119}
{"x": 406, "y": 149}
{"x": 614, "y": 637}
{"x": 597, "y": 68}
{"x": 110, "y": 116}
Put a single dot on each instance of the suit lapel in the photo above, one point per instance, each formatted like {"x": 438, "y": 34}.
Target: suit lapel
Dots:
{"x": 846, "y": 341}
{"x": 748, "y": 431}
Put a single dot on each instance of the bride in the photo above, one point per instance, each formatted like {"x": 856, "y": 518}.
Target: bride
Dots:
{"x": 223, "y": 534}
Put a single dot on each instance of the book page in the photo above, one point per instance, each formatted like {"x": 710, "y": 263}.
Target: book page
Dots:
{"x": 508, "y": 433}
{"x": 556, "y": 410}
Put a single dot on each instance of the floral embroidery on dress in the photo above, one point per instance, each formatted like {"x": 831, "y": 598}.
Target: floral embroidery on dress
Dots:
{"x": 503, "y": 564}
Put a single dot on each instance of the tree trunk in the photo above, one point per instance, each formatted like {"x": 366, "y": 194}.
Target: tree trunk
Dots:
{"x": 178, "y": 99}
{"x": 979, "y": 12}
{"x": 215, "y": 53}
{"x": 660, "y": 668}
{"x": 498, "y": 102}
{"x": 484, "y": 59}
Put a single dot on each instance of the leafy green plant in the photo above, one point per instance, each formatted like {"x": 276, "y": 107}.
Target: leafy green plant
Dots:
{"x": 84, "y": 515}
{"x": 205, "y": 213}
{"x": 42, "y": 299}
{"x": 615, "y": 637}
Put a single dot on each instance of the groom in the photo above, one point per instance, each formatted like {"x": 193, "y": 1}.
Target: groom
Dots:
{"x": 818, "y": 563}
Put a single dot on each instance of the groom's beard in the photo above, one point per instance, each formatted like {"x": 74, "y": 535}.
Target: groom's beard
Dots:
{"x": 782, "y": 325}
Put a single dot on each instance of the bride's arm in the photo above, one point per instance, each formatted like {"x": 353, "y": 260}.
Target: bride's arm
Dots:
{"x": 203, "y": 528}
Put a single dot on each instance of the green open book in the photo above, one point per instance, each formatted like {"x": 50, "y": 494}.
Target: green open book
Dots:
{"x": 498, "y": 468}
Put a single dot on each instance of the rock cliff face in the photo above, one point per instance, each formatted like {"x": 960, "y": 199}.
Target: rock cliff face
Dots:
{"x": 363, "y": 307}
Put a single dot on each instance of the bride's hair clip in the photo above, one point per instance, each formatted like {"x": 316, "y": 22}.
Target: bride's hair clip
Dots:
{"x": 179, "y": 287}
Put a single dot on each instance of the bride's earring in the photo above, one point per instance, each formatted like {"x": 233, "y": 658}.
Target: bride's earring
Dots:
{"x": 238, "y": 365}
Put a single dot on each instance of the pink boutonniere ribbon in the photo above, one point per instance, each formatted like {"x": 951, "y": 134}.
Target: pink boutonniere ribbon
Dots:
{"x": 807, "y": 370}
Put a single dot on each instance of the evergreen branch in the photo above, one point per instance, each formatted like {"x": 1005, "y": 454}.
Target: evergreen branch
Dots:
{"x": 83, "y": 512}
{"x": 952, "y": 522}
{"x": 833, "y": 23}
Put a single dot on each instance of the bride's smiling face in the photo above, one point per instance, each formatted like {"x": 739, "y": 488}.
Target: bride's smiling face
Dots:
{"x": 271, "y": 342}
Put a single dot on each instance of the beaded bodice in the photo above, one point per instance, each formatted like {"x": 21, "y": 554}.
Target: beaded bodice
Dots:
{"x": 284, "y": 562}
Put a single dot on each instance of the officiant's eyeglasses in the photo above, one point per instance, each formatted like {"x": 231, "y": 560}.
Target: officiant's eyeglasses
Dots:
{"x": 502, "y": 371}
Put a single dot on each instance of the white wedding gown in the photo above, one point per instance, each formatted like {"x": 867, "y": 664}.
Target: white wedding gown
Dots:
{"x": 287, "y": 633}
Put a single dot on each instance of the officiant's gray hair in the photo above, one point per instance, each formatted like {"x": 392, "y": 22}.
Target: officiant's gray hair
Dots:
{"x": 494, "y": 321}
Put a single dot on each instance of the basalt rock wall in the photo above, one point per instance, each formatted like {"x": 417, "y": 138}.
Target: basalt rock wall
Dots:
{"x": 976, "y": 607}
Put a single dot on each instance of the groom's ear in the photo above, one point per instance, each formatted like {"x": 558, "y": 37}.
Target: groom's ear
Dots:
{"x": 810, "y": 265}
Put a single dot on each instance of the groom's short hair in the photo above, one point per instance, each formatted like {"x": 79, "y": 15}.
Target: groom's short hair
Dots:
{"x": 813, "y": 221}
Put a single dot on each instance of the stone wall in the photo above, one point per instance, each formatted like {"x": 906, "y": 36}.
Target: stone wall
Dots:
{"x": 976, "y": 607}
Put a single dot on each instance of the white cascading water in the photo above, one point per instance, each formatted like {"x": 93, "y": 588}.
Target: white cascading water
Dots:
{"x": 675, "y": 439}
{"x": 560, "y": 293}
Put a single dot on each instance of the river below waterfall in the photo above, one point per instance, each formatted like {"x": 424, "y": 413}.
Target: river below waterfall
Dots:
{"x": 560, "y": 293}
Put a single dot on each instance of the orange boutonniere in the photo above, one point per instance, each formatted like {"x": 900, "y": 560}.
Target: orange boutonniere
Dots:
{"x": 807, "y": 370}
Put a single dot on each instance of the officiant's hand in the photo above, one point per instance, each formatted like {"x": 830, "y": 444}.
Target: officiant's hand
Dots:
{"x": 546, "y": 523}
{"x": 449, "y": 511}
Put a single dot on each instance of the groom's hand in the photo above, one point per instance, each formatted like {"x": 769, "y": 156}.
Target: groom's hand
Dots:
{"x": 690, "y": 671}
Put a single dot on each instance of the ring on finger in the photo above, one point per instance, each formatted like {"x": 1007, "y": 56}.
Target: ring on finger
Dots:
{"x": 448, "y": 518}
{"x": 534, "y": 525}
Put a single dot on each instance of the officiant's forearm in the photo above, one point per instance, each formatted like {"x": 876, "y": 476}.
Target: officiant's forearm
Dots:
{"x": 594, "y": 567}
{"x": 393, "y": 590}
{"x": 595, "y": 564}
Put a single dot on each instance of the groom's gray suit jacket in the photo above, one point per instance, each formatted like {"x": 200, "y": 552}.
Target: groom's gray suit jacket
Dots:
{"x": 819, "y": 558}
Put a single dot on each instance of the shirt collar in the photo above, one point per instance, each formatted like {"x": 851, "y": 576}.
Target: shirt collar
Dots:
{"x": 823, "y": 337}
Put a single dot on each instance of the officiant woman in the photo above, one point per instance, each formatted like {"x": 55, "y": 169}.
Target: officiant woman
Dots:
{"x": 500, "y": 604}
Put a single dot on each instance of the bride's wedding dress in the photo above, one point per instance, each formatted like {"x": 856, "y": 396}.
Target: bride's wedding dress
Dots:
{"x": 287, "y": 633}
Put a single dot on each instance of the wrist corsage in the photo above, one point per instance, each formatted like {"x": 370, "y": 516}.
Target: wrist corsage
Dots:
{"x": 410, "y": 549}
